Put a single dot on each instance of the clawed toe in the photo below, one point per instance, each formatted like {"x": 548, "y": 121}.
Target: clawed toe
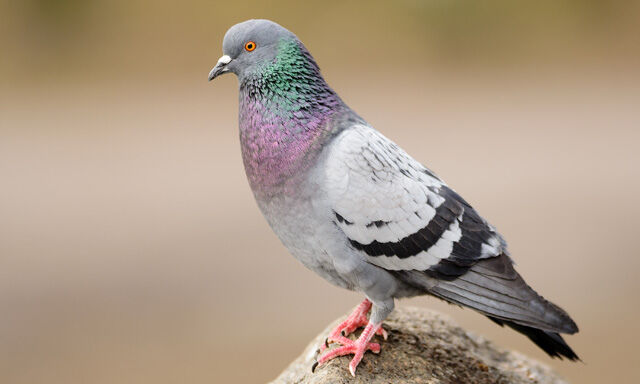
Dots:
{"x": 347, "y": 346}
{"x": 382, "y": 332}
{"x": 352, "y": 348}
{"x": 356, "y": 347}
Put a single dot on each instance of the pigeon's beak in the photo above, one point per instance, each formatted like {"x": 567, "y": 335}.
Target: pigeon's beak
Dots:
{"x": 220, "y": 68}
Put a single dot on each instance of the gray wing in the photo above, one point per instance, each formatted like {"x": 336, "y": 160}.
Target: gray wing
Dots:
{"x": 398, "y": 213}
{"x": 403, "y": 218}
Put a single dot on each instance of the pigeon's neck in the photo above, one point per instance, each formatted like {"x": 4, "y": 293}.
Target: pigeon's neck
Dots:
{"x": 287, "y": 114}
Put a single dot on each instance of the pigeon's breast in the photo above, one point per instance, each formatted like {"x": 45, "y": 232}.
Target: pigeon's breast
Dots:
{"x": 275, "y": 160}
{"x": 279, "y": 146}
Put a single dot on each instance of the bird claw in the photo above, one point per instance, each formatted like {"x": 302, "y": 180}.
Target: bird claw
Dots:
{"x": 357, "y": 319}
{"x": 353, "y": 347}
{"x": 382, "y": 332}
{"x": 356, "y": 347}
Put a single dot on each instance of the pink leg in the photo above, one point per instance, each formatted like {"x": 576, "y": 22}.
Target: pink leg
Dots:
{"x": 357, "y": 319}
{"x": 357, "y": 348}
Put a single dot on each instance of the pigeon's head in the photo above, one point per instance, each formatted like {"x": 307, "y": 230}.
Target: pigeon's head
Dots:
{"x": 250, "y": 45}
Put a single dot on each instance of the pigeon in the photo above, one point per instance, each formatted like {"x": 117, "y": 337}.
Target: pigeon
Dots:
{"x": 355, "y": 208}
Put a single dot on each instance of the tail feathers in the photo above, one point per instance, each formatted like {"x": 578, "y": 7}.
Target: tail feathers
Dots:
{"x": 494, "y": 288}
{"x": 552, "y": 343}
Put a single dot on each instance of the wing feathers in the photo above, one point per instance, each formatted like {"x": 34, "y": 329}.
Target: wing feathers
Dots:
{"x": 398, "y": 214}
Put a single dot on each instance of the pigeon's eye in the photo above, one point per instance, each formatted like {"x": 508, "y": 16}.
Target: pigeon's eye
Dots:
{"x": 250, "y": 46}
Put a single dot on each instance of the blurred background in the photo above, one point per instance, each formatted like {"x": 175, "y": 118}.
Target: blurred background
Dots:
{"x": 131, "y": 249}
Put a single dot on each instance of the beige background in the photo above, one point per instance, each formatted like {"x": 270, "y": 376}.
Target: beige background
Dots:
{"x": 131, "y": 250}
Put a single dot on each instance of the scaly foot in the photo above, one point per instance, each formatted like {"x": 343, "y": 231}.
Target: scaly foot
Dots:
{"x": 357, "y": 348}
{"x": 357, "y": 319}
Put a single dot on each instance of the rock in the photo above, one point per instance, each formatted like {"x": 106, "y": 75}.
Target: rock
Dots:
{"x": 423, "y": 347}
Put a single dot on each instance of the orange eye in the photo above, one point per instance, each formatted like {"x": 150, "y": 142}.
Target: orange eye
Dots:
{"x": 250, "y": 46}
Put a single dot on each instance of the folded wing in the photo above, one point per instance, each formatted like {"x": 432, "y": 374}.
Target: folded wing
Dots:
{"x": 398, "y": 213}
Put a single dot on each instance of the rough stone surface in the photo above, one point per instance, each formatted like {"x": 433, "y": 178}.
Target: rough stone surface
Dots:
{"x": 423, "y": 347}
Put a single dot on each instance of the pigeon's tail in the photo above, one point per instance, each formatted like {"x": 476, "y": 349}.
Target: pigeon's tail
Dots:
{"x": 550, "y": 342}
{"x": 493, "y": 288}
